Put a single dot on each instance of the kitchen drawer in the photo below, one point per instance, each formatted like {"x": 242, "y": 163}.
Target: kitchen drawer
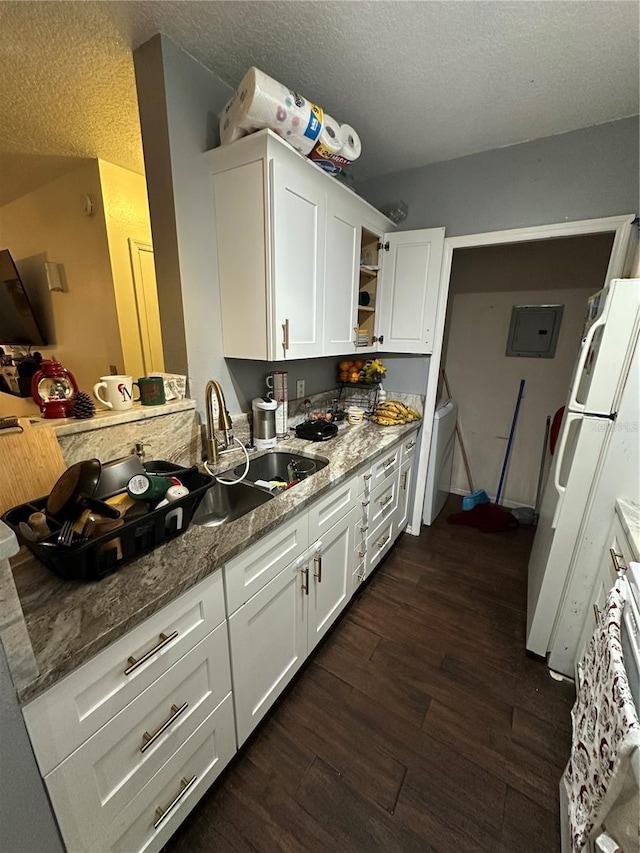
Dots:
{"x": 378, "y": 543}
{"x": 254, "y": 568}
{"x": 97, "y": 781}
{"x": 331, "y": 508}
{"x": 204, "y": 755}
{"x": 409, "y": 446}
{"x": 384, "y": 467}
{"x": 75, "y": 708}
{"x": 383, "y": 502}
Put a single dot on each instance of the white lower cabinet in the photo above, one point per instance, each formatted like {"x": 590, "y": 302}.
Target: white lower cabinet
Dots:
{"x": 272, "y": 634}
{"x": 268, "y": 639}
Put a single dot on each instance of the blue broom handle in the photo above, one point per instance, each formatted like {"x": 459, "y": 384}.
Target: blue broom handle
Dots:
{"x": 510, "y": 442}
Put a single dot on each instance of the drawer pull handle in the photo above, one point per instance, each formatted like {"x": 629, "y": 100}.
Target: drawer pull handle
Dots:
{"x": 163, "y": 814}
{"x": 389, "y": 461}
{"x": 411, "y": 445}
{"x": 366, "y": 477}
{"x": 317, "y": 560}
{"x": 615, "y": 557}
{"x": 596, "y": 614}
{"x": 364, "y": 529}
{"x": 366, "y": 503}
{"x": 362, "y": 554}
{"x": 360, "y": 577}
{"x": 151, "y": 739}
{"x": 385, "y": 500}
{"x": 382, "y": 542}
{"x": 165, "y": 639}
{"x": 305, "y": 584}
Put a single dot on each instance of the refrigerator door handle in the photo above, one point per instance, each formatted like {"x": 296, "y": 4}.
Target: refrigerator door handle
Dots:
{"x": 573, "y": 404}
{"x": 560, "y": 489}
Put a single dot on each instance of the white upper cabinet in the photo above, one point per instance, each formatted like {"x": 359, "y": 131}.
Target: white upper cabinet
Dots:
{"x": 297, "y": 232}
{"x": 342, "y": 260}
{"x": 409, "y": 287}
{"x": 301, "y": 261}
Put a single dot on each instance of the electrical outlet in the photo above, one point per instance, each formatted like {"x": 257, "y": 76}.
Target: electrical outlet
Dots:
{"x": 299, "y": 388}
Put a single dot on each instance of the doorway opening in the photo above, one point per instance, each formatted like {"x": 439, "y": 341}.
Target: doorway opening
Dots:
{"x": 486, "y": 274}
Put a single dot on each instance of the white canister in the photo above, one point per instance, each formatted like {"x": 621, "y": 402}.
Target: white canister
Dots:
{"x": 355, "y": 415}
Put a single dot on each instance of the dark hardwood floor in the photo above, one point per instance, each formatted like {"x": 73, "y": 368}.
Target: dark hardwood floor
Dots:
{"x": 420, "y": 724}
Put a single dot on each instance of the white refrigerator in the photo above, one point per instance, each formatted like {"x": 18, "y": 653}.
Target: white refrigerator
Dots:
{"x": 596, "y": 458}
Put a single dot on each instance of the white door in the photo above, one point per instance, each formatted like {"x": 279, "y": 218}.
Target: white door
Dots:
{"x": 341, "y": 277}
{"x": 409, "y": 290}
{"x": 147, "y": 321}
{"x": 268, "y": 642}
{"x": 331, "y": 566}
{"x": 298, "y": 230}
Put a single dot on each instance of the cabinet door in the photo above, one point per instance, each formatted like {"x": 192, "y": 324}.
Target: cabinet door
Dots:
{"x": 404, "y": 490}
{"x": 298, "y": 228}
{"x": 409, "y": 290}
{"x": 331, "y": 567}
{"x": 342, "y": 260}
{"x": 268, "y": 642}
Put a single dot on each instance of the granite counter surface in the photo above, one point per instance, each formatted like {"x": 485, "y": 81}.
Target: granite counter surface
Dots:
{"x": 68, "y": 623}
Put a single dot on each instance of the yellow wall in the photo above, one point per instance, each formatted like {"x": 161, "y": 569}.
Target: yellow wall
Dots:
{"x": 126, "y": 211}
{"x": 50, "y": 224}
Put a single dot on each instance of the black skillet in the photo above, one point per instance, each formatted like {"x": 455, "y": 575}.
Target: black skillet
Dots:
{"x": 74, "y": 490}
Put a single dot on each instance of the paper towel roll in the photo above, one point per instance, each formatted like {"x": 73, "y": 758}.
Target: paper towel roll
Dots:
{"x": 331, "y": 135}
{"x": 352, "y": 147}
{"x": 260, "y": 102}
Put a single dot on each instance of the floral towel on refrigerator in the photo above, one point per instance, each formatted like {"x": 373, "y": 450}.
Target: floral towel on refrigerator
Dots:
{"x": 606, "y": 729}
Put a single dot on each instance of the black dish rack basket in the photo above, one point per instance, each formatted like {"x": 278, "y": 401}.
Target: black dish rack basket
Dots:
{"x": 95, "y": 558}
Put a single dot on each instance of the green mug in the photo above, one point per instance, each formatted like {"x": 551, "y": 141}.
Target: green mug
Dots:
{"x": 151, "y": 390}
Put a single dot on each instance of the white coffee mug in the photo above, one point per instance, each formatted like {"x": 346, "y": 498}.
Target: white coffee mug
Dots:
{"x": 118, "y": 394}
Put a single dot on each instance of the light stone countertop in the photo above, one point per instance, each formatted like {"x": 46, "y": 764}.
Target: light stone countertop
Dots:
{"x": 107, "y": 417}
{"x": 629, "y": 515}
{"x": 67, "y": 623}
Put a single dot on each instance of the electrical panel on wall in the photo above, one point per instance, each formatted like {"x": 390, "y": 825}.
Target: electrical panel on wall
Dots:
{"x": 534, "y": 330}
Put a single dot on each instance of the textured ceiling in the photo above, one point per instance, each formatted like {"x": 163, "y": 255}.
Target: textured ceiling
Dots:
{"x": 420, "y": 81}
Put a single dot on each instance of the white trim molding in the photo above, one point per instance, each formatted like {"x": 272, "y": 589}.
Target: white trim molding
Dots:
{"x": 622, "y": 226}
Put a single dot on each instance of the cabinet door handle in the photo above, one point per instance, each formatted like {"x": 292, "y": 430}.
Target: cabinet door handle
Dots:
{"x": 355, "y": 338}
{"x": 317, "y": 560}
{"x": 382, "y": 542}
{"x": 165, "y": 639}
{"x": 404, "y": 481}
{"x": 285, "y": 335}
{"x": 163, "y": 814}
{"x": 615, "y": 557}
{"x": 305, "y": 583}
{"x": 596, "y": 614}
{"x": 151, "y": 739}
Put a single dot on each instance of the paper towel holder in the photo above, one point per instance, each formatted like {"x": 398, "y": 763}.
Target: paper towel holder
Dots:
{"x": 396, "y": 211}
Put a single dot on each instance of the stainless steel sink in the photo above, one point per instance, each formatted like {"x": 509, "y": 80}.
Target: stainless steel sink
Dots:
{"x": 275, "y": 465}
{"x": 222, "y": 504}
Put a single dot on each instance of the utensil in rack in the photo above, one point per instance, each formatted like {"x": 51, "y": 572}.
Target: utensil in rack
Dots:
{"x": 65, "y": 536}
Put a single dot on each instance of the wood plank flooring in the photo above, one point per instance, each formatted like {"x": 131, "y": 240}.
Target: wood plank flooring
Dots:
{"x": 419, "y": 724}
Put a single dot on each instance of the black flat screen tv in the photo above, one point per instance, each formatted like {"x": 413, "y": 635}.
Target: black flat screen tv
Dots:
{"x": 18, "y": 324}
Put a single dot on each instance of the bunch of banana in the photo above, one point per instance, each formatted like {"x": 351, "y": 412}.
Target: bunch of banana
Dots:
{"x": 393, "y": 412}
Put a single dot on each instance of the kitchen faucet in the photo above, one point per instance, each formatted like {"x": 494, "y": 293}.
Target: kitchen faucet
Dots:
{"x": 217, "y": 418}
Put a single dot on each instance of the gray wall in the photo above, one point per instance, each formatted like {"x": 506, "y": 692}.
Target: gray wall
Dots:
{"x": 584, "y": 174}
{"x": 27, "y": 824}
{"x": 180, "y": 101}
